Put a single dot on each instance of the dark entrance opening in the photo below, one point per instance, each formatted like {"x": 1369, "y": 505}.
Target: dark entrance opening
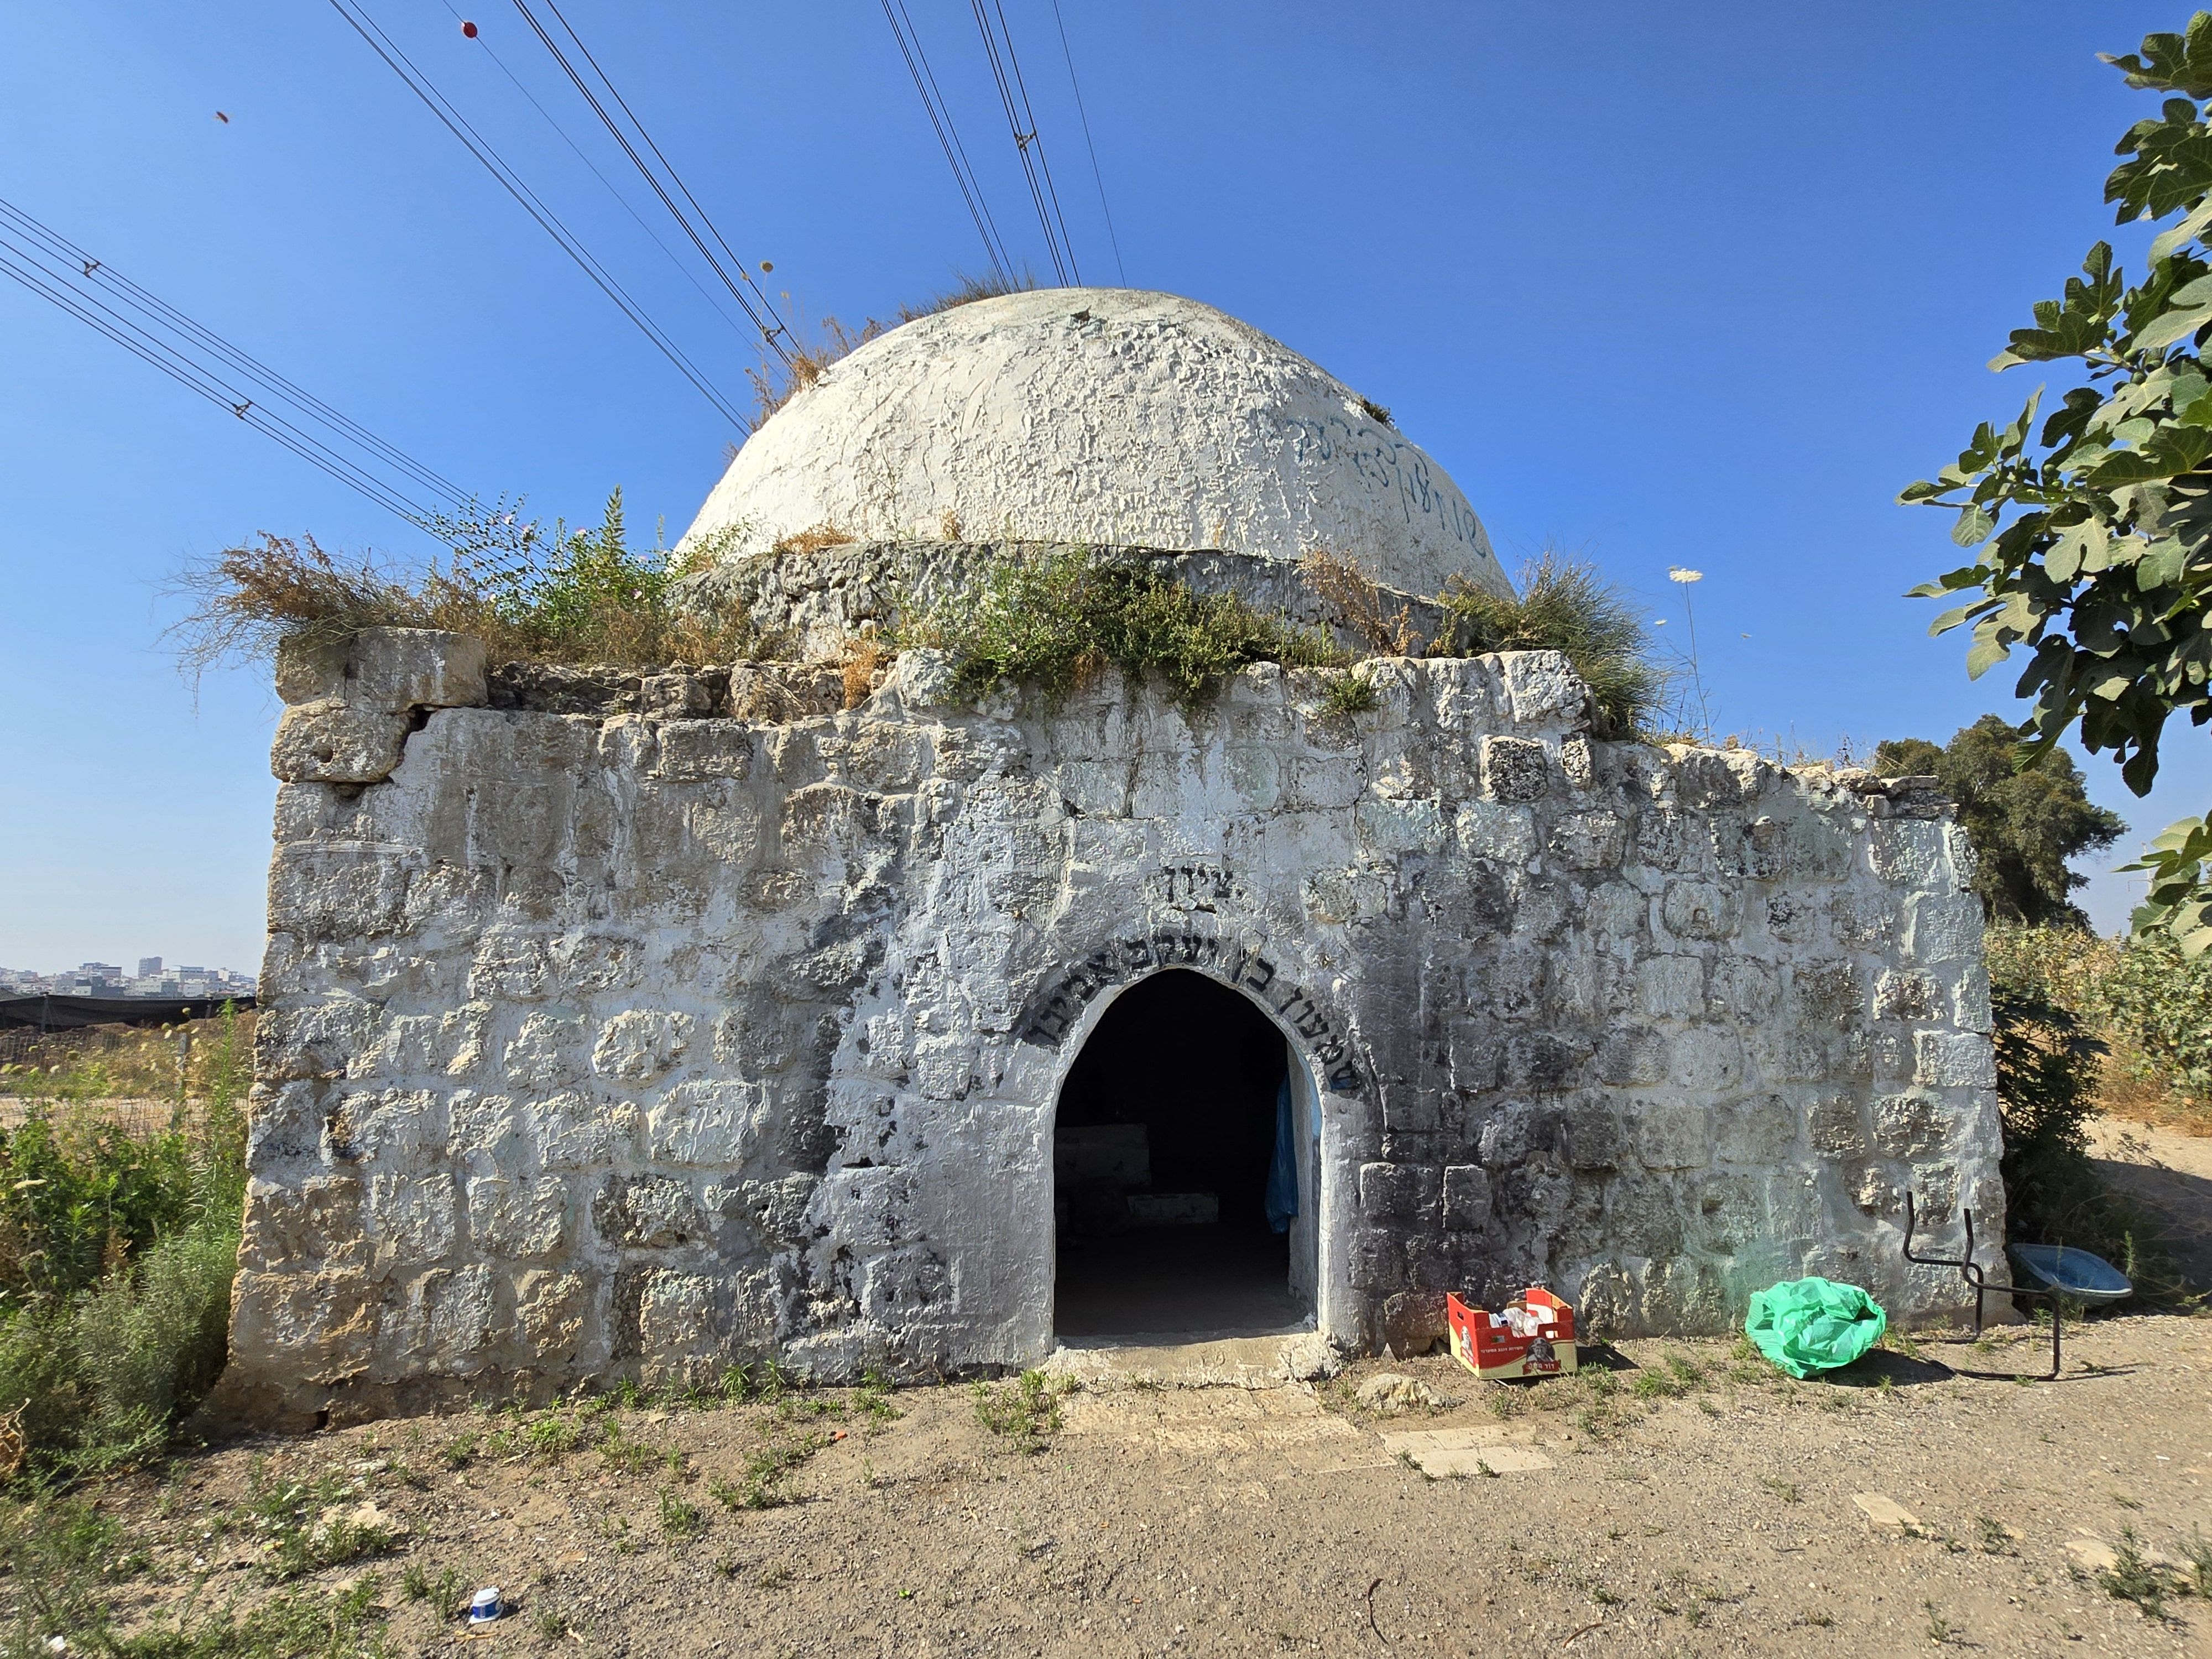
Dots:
{"x": 1163, "y": 1146}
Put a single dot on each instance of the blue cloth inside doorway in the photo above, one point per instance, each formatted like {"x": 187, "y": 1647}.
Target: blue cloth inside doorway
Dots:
{"x": 1283, "y": 1167}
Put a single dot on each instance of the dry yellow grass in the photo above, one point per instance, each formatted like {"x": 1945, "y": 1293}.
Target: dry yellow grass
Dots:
{"x": 813, "y": 539}
{"x": 1339, "y": 582}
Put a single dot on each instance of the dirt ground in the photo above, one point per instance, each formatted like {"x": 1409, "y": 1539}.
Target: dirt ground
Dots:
{"x": 2168, "y": 1175}
{"x": 1694, "y": 1502}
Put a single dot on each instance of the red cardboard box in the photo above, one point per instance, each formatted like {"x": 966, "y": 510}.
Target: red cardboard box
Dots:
{"x": 1488, "y": 1346}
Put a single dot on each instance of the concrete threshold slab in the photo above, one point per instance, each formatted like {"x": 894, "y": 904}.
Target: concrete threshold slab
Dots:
{"x": 1200, "y": 1360}
{"x": 1446, "y": 1453}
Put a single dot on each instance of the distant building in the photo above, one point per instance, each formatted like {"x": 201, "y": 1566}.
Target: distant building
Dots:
{"x": 149, "y": 966}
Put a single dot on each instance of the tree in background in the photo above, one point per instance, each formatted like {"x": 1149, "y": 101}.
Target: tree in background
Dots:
{"x": 2095, "y": 528}
{"x": 2025, "y": 823}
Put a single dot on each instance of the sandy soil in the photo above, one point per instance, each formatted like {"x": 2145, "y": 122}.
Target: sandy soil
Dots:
{"x": 2169, "y": 1175}
{"x": 1705, "y": 1507}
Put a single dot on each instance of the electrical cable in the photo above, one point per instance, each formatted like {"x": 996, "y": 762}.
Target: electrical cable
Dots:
{"x": 273, "y": 386}
{"x": 455, "y": 122}
{"x": 1021, "y": 138}
{"x": 196, "y": 378}
{"x": 769, "y": 334}
{"x": 1084, "y": 116}
{"x": 1029, "y": 114}
{"x": 948, "y": 137}
{"x": 622, "y": 200}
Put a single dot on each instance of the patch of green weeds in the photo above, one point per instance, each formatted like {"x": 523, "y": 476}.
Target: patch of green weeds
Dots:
{"x": 628, "y": 1453}
{"x": 1023, "y": 1413}
{"x": 1057, "y": 622}
{"x": 1348, "y": 694}
{"x": 765, "y": 1481}
{"x": 680, "y": 1519}
{"x": 61, "y": 1559}
{"x": 1992, "y": 1536}
{"x": 1785, "y": 1490}
{"x": 2197, "y": 1551}
{"x": 872, "y": 1400}
{"x": 346, "y": 1623}
{"x": 2132, "y": 1578}
{"x": 304, "y": 1530}
{"x": 1940, "y": 1629}
{"x": 459, "y": 1452}
{"x": 551, "y": 1436}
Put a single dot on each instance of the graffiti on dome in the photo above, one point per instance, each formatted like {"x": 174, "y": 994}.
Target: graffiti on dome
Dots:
{"x": 1391, "y": 466}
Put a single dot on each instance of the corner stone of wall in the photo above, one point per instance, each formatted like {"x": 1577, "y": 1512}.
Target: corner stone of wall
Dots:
{"x": 636, "y": 1040}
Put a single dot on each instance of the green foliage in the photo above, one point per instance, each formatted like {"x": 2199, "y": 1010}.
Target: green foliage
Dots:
{"x": 680, "y": 1519}
{"x": 2025, "y": 823}
{"x": 530, "y": 592}
{"x": 62, "y": 1561}
{"x": 116, "y": 1261}
{"x": 347, "y": 1623}
{"x": 1565, "y": 605}
{"x": 2046, "y": 1091}
{"x": 1023, "y": 1412}
{"x": 2150, "y": 1002}
{"x": 77, "y": 1195}
{"x": 1057, "y": 622}
{"x": 2095, "y": 529}
{"x": 2048, "y": 1058}
{"x": 304, "y": 1527}
{"x": 2159, "y": 1002}
{"x": 1348, "y": 694}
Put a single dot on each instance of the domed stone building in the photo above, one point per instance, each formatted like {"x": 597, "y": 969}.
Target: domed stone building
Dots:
{"x": 637, "y": 1025}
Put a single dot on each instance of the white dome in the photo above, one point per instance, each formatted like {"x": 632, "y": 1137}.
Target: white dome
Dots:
{"x": 1109, "y": 415}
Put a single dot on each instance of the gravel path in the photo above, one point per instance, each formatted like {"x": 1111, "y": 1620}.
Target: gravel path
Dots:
{"x": 1695, "y": 1504}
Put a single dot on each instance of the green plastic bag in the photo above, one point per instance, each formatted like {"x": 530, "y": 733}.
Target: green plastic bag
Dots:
{"x": 1807, "y": 1325}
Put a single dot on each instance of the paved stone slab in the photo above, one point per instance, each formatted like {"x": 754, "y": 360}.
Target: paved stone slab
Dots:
{"x": 1885, "y": 1513}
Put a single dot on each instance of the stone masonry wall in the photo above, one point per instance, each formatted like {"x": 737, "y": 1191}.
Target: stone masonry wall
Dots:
{"x": 638, "y": 1040}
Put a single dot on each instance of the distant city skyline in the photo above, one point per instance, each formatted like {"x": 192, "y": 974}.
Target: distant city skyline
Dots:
{"x": 154, "y": 976}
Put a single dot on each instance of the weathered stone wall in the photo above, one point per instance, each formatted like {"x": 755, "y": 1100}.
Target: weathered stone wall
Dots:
{"x": 641, "y": 1039}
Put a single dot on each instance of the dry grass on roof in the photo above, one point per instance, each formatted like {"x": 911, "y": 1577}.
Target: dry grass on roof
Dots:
{"x": 531, "y": 593}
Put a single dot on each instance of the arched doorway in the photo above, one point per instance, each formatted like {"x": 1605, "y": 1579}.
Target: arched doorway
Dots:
{"x": 1182, "y": 1170}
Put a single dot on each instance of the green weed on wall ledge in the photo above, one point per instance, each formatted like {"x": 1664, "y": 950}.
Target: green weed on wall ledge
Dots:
{"x": 1055, "y": 623}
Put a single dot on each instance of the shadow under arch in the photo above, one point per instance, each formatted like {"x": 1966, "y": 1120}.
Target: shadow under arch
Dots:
{"x": 1165, "y": 1104}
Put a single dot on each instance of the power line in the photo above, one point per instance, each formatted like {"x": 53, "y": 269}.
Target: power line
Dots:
{"x": 1022, "y": 119}
{"x": 770, "y": 335}
{"x": 948, "y": 136}
{"x": 577, "y": 149}
{"x": 1084, "y": 116}
{"x": 77, "y": 262}
{"x": 455, "y": 122}
{"x": 202, "y": 361}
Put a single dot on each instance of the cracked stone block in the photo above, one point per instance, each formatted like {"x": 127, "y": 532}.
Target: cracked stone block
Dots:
{"x": 550, "y": 1312}
{"x": 1673, "y": 1135}
{"x": 330, "y": 741}
{"x": 1389, "y": 1191}
{"x": 385, "y": 670}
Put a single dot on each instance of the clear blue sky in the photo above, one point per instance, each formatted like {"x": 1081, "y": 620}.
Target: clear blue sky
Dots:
{"x": 1701, "y": 284}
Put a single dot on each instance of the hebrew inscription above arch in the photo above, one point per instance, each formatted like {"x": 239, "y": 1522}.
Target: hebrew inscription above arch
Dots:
{"x": 1243, "y": 963}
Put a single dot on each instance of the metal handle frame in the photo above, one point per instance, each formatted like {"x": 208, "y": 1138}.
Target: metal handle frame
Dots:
{"x": 1971, "y": 1271}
